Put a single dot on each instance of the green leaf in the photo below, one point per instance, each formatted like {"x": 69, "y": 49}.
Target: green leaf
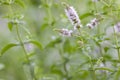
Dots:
{"x": 117, "y": 75}
{"x": 7, "y": 47}
{"x": 68, "y": 47}
{"x": 104, "y": 68}
{"x": 54, "y": 42}
{"x": 56, "y": 70}
{"x": 85, "y": 15}
{"x": 38, "y": 44}
{"x": 82, "y": 73}
{"x": 44, "y": 26}
{"x": 107, "y": 56}
{"x": 10, "y": 26}
{"x": 80, "y": 70}
{"x": 20, "y": 2}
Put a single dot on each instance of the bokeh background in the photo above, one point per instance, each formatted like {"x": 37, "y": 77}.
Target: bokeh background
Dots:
{"x": 61, "y": 58}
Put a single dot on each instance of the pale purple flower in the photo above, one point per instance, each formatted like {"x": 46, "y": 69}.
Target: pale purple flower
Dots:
{"x": 65, "y": 32}
{"x": 73, "y": 17}
{"x": 117, "y": 27}
{"x": 90, "y": 25}
{"x": 93, "y": 23}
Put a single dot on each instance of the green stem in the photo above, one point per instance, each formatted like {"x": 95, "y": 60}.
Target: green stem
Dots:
{"x": 90, "y": 60}
{"x": 92, "y": 68}
{"x": 66, "y": 71}
{"x": 27, "y": 58}
{"x": 95, "y": 7}
{"x": 117, "y": 45}
{"x": 102, "y": 1}
{"x": 64, "y": 64}
{"x": 116, "y": 39}
{"x": 94, "y": 75}
{"x": 22, "y": 44}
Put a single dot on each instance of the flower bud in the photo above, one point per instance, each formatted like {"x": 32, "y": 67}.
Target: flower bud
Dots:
{"x": 93, "y": 23}
{"x": 65, "y": 32}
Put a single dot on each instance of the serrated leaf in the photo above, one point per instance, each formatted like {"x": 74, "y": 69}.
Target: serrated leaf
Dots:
{"x": 7, "y": 47}
{"x": 10, "y": 26}
{"x": 38, "y": 44}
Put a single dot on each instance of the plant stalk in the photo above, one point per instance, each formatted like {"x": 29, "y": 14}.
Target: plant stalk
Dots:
{"x": 27, "y": 58}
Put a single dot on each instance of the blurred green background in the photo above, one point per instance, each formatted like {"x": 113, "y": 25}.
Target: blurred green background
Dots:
{"x": 41, "y": 17}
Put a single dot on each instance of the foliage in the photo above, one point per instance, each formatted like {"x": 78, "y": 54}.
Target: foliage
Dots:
{"x": 86, "y": 49}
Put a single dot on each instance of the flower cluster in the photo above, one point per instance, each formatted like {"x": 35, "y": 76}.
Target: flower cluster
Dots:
{"x": 93, "y": 23}
{"x": 74, "y": 19}
{"x": 73, "y": 16}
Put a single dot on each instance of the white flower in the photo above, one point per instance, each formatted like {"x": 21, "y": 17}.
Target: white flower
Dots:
{"x": 73, "y": 17}
{"x": 93, "y": 23}
{"x": 117, "y": 27}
